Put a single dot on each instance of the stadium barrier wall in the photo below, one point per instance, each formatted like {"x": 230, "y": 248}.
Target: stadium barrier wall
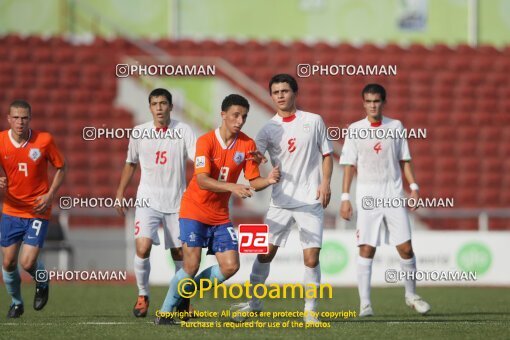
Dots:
{"x": 444, "y": 251}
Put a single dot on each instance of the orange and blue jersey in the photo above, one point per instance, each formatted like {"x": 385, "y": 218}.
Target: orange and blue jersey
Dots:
{"x": 26, "y": 168}
{"x": 223, "y": 163}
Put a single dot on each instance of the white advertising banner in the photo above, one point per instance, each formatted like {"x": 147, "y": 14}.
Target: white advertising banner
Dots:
{"x": 443, "y": 258}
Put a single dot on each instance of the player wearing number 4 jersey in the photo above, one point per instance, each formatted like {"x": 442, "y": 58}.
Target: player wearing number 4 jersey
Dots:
{"x": 24, "y": 157}
{"x": 204, "y": 220}
{"x": 379, "y": 165}
{"x": 297, "y": 142}
{"x": 162, "y": 161}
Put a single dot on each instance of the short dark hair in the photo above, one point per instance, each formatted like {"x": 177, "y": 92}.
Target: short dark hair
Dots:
{"x": 161, "y": 93}
{"x": 374, "y": 89}
{"x": 234, "y": 99}
{"x": 284, "y": 78}
{"x": 23, "y": 104}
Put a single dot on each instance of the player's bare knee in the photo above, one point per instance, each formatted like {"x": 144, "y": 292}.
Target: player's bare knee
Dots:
{"x": 191, "y": 268}
{"x": 176, "y": 253}
{"x": 9, "y": 264}
{"x": 265, "y": 258}
{"x": 367, "y": 251}
{"x": 228, "y": 270}
{"x": 405, "y": 250}
{"x": 311, "y": 262}
{"x": 143, "y": 251}
{"x": 28, "y": 264}
{"x": 406, "y": 253}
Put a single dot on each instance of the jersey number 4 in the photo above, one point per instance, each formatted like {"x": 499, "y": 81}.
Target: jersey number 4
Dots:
{"x": 378, "y": 147}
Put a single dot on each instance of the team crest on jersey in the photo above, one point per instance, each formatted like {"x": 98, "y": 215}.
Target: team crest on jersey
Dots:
{"x": 34, "y": 154}
{"x": 306, "y": 127}
{"x": 239, "y": 157}
{"x": 192, "y": 237}
{"x": 200, "y": 162}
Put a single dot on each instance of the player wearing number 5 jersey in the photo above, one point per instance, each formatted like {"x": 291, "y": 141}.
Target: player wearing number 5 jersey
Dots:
{"x": 204, "y": 220}
{"x": 162, "y": 148}
{"x": 24, "y": 157}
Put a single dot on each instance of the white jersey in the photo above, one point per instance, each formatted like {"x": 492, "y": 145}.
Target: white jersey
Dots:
{"x": 377, "y": 160}
{"x": 163, "y": 164}
{"x": 297, "y": 144}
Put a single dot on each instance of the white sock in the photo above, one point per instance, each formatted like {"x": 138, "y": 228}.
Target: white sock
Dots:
{"x": 178, "y": 265}
{"x": 409, "y": 265}
{"x": 259, "y": 274}
{"x": 142, "y": 272}
{"x": 364, "y": 276}
{"x": 312, "y": 276}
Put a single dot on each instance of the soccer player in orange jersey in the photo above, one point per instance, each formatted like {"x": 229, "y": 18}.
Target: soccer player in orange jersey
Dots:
{"x": 204, "y": 219}
{"x": 24, "y": 156}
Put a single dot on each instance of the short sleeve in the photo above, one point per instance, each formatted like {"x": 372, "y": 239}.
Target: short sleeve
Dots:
{"x": 54, "y": 155}
{"x": 132, "y": 154}
{"x": 403, "y": 154}
{"x": 323, "y": 141}
{"x": 261, "y": 140}
{"x": 203, "y": 156}
{"x": 349, "y": 154}
{"x": 190, "y": 140}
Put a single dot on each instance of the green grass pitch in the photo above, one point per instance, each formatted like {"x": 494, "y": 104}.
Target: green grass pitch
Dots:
{"x": 91, "y": 311}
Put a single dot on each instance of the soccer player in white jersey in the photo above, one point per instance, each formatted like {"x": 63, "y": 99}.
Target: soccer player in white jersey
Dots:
{"x": 297, "y": 142}
{"x": 379, "y": 163}
{"x": 161, "y": 152}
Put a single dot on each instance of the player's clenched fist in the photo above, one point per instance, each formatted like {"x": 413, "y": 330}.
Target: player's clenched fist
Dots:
{"x": 242, "y": 191}
{"x": 120, "y": 209}
{"x": 257, "y": 157}
{"x": 346, "y": 210}
{"x": 3, "y": 182}
{"x": 274, "y": 175}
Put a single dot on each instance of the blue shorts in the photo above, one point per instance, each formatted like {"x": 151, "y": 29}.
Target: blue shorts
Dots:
{"x": 217, "y": 238}
{"x": 31, "y": 231}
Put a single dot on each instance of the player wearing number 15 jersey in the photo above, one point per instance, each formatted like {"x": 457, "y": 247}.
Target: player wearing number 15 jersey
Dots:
{"x": 24, "y": 157}
{"x": 161, "y": 150}
{"x": 204, "y": 220}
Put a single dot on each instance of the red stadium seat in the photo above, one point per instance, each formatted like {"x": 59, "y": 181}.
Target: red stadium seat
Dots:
{"x": 467, "y": 133}
{"x": 468, "y": 196}
{"x": 489, "y": 197}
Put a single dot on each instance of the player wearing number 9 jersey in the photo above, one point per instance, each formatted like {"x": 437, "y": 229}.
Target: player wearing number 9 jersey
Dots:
{"x": 24, "y": 157}
{"x": 204, "y": 220}
{"x": 161, "y": 147}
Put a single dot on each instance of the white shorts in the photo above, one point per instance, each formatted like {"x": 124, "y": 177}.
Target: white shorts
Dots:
{"x": 309, "y": 220}
{"x": 388, "y": 224}
{"x": 147, "y": 222}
